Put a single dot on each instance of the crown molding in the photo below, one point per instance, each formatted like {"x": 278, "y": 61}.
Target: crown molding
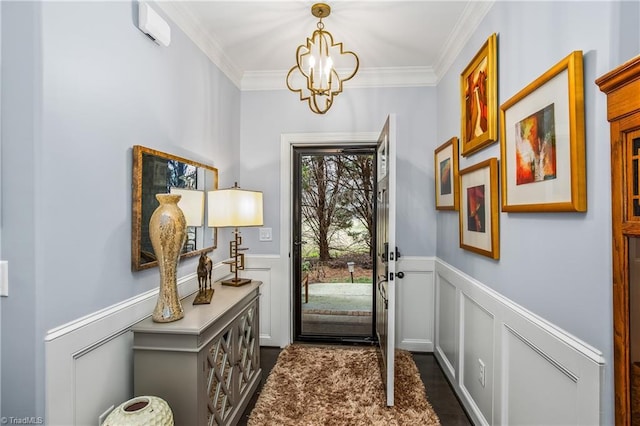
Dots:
{"x": 474, "y": 13}
{"x": 472, "y": 16}
{"x": 192, "y": 27}
{"x": 366, "y": 77}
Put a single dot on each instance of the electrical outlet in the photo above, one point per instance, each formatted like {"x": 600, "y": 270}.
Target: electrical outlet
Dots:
{"x": 102, "y": 417}
{"x": 481, "y": 372}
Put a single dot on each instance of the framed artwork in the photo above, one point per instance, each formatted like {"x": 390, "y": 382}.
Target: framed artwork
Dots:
{"x": 446, "y": 170}
{"x": 479, "y": 226}
{"x": 479, "y": 99}
{"x": 542, "y": 147}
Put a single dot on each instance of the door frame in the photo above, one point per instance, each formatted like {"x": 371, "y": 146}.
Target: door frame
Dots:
{"x": 288, "y": 141}
{"x": 296, "y": 225}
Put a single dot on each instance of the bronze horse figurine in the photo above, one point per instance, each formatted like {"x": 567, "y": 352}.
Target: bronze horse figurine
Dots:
{"x": 205, "y": 265}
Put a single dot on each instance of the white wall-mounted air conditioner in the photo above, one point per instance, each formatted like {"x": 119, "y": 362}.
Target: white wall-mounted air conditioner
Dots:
{"x": 152, "y": 24}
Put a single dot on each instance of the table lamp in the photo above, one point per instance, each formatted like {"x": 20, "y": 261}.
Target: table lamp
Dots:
{"x": 234, "y": 208}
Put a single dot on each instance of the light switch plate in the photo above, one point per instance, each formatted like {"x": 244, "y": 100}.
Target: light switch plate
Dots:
{"x": 265, "y": 234}
{"x": 4, "y": 278}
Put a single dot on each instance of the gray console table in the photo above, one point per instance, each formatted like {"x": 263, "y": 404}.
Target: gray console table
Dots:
{"x": 206, "y": 365}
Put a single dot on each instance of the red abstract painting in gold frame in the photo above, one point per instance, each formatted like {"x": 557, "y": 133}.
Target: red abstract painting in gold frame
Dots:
{"x": 542, "y": 147}
{"x": 478, "y": 214}
{"x": 479, "y": 99}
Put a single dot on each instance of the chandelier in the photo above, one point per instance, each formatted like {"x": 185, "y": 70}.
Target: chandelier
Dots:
{"x": 320, "y": 66}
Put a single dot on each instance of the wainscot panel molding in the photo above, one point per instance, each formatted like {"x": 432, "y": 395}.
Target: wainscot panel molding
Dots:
{"x": 507, "y": 365}
{"x": 274, "y": 297}
{"x": 96, "y": 352}
{"x": 446, "y": 326}
{"x": 415, "y": 303}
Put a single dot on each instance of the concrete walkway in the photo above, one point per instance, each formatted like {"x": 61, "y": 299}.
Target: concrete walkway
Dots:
{"x": 339, "y": 299}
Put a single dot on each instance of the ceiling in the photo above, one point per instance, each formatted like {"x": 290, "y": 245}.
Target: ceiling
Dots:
{"x": 399, "y": 43}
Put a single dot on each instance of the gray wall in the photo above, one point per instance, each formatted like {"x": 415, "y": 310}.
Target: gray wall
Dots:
{"x": 557, "y": 265}
{"x": 266, "y": 115}
{"x": 82, "y": 85}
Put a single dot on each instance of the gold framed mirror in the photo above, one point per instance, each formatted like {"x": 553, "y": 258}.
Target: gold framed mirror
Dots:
{"x": 156, "y": 172}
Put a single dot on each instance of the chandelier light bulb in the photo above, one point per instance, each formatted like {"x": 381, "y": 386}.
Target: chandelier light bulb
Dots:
{"x": 328, "y": 66}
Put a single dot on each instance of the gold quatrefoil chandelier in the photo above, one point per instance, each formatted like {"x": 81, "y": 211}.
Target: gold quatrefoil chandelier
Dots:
{"x": 320, "y": 66}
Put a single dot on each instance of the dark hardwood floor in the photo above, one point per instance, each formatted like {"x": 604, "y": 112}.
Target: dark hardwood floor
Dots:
{"x": 439, "y": 392}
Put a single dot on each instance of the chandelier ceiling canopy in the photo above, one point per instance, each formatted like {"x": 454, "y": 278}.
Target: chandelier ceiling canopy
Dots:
{"x": 322, "y": 66}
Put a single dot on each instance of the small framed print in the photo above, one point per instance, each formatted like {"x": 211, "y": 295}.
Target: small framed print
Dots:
{"x": 479, "y": 99}
{"x": 542, "y": 148}
{"x": 446, "y": 171}
{"x": 479, "y": 221}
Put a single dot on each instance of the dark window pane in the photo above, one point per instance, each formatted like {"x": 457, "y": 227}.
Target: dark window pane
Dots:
{"x": 634, "y": 179}
{"x": 636, "y": 146}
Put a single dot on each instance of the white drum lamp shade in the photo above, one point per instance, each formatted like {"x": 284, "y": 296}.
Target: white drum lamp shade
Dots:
{"x": 234, "y": 207}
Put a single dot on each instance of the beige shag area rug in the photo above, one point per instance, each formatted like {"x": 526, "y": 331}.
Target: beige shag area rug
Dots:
{"x": 315, "y": 385}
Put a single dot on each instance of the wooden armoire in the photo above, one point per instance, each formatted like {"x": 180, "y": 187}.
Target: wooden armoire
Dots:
{"x": 622, "y": 86}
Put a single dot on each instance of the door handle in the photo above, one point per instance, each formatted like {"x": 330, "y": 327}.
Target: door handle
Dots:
{"x": 382, "y": 291}
{"x": 381, "y": 279}
{"x": 299, "y": 243}
{"x": 400, "y": 274}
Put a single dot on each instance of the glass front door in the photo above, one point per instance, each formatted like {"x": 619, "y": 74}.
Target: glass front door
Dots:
{"x": 334, "y": 201}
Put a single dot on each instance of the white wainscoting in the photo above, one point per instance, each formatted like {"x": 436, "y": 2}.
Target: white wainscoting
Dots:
{"x": 89, "y": 362}
{"x": 274, "y": 297}
{"x": 415, "y": 304}
{"x": 535, "y": 373}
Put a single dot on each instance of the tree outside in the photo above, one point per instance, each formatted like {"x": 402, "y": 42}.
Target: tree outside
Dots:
{"x": 337, "y": 213}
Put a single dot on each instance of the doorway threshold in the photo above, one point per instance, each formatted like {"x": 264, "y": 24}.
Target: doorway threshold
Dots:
{"x": 340, "y": 340}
